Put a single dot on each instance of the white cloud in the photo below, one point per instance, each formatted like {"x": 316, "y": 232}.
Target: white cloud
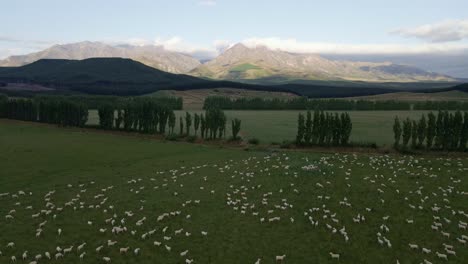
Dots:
{"x": 445, "y": 31}
{"x": 293, "y": 45}
{"x": 207, "y": 3}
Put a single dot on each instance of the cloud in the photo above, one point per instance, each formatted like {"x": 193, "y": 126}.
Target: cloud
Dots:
{"x": 207, "y": 3}
{"x": 445, "y": 31}
{"x": 293, "y": 45}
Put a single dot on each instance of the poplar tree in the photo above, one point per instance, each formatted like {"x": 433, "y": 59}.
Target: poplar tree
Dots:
{"x": 406, "y": 132}
{"x": 300, "y": 129}
{"x": 414, "y": 134}
{"x": 236, "y": 125}
{"x": 308, "y": 129}
{"x": 196, "y": 122}
{"x": 188, "y": 122}
{"x": 421, "y": 131}
{"x": 431, "y": 130}
{"x": 396, "y": 131}
{"x": 181, "y": 126}
{"x": 172, "y": 122}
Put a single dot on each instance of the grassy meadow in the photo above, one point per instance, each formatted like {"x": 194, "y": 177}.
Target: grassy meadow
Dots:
{"x": 216, "y": 205}
{"x": 276, "y": 126}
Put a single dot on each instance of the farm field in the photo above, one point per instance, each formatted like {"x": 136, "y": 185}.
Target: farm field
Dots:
{"x": 178, "y": 202}
{"x": 276, "y": 126}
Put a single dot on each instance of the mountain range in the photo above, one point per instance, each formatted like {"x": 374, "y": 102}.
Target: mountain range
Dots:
{"x": 153, "y": 56}
{"x": 240, "y": 63}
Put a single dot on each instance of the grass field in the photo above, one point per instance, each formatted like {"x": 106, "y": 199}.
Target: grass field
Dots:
{"x": 343, "y": 204}
{"x": 276, "y": 126}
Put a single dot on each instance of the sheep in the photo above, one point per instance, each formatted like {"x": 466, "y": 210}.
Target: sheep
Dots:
{"x": 38, "y": 257}
{"x": 80, "y": 247}
{"x": 425, "y": 250}
{"x": 427, "y": 261}
{"x": 68, "y": 250}
{"x": 111, "y": 243}
{"x": 10, "y": 245}
{"x": 157, "y": 243}
{"x": 136, "y": 251}
{"x": 280, "y": 258}
{"x": 183, "y": 253}
{"x": 106, "y": 259}
{"x": 82, "y": 255}
{"x": 168, "y": 248}
{"x": 413, "y": 246}
{"x": 258, "y": 261}
{"x": 47, "y": 254}
{"x": 188, "y": 261}
{"x": 33, "y": 262}
{"x": 98, "y": 249}
{"x": 58, "y": 255}
{"x": 450, "y": 252}
{"x": 442, "y": 256}
{"x": 13, "y": 259}
{"x": 124, "y": 250}
{"x": 25, "y": 255}
{"x": 334, "y": 256}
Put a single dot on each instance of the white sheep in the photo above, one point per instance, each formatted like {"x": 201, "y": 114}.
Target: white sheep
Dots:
{"x": 80, "y": 247}
{"x": 136, "y": 251}
{"x": 442, "y": 256}
{"x": 124, "y": 250}
{"x": 106, "y": 259}
{"x": 82, "y": 255}
{"x": 183, "y": 253}
{"x": 334, "y": 256}
{"x": 280, "y": 258}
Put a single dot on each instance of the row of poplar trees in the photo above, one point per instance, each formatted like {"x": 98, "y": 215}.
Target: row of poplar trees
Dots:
{"x": 323, "y": 129}
{"x": 446, "y": 131}
{"x": 212, "y": 124}
{"x": 53, "y": 111}
{"x": 137, "y": 114}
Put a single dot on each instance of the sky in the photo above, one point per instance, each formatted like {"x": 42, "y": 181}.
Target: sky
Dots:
{"x": 206, "y": 27}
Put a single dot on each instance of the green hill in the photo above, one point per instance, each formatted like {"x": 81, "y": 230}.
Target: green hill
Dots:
{"x": 97, "y": 75}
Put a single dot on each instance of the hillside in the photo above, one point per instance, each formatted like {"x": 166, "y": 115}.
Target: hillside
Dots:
{"x": 153, "y": 56}
{"x": 97, "y": 75}
{"x": 241, "y": 63}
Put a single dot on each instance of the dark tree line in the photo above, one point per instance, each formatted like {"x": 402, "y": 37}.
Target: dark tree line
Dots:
{"x": 302, "y": 103}
{"x": 324, "y": 129}
{"x": 142, "y": 115}
{"x": 441, "y": 105}
{"x": 53, "y": 111}
{"x": 446, "y": 131}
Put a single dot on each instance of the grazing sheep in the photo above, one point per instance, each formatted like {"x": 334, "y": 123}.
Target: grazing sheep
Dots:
{"x": 58, "y": 255}
{"x": 25, "y": 255}
{"x": 47, "y": 254}
{"x": 82, "y": 255}
{"x": 80, "y": 247}
{"x": 106, "y": 259}
{"x": 413, "y": 246}
{"x": 124, "y": 250}
{"x": 13, "y": 258}
{"x": 136, "y": 251}
{"x": 183, "y": 253}
{"x": 425, "y": 250}
{"x": 334, "y": 256}
{"x": 442, "y": 256}
{"x": 280, "y": 258}
{"x": 258, "y": 261}
{"x": 10, "y": 245}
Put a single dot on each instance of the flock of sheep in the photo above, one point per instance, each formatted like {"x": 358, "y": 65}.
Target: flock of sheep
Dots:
{"x": 349, "y": 202}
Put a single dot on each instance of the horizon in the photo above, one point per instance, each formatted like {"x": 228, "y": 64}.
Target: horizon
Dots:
{"x": 359, "y": 31}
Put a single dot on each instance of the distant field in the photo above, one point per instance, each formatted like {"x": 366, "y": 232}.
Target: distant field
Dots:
{"x": 276, "y": 126}
{"x": 193, "y": 99}
{"x": 180, "y": 201}
{"x": 407, "y": 96}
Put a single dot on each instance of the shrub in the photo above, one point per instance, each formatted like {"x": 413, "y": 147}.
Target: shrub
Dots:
{"x": 191, "y": 139}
